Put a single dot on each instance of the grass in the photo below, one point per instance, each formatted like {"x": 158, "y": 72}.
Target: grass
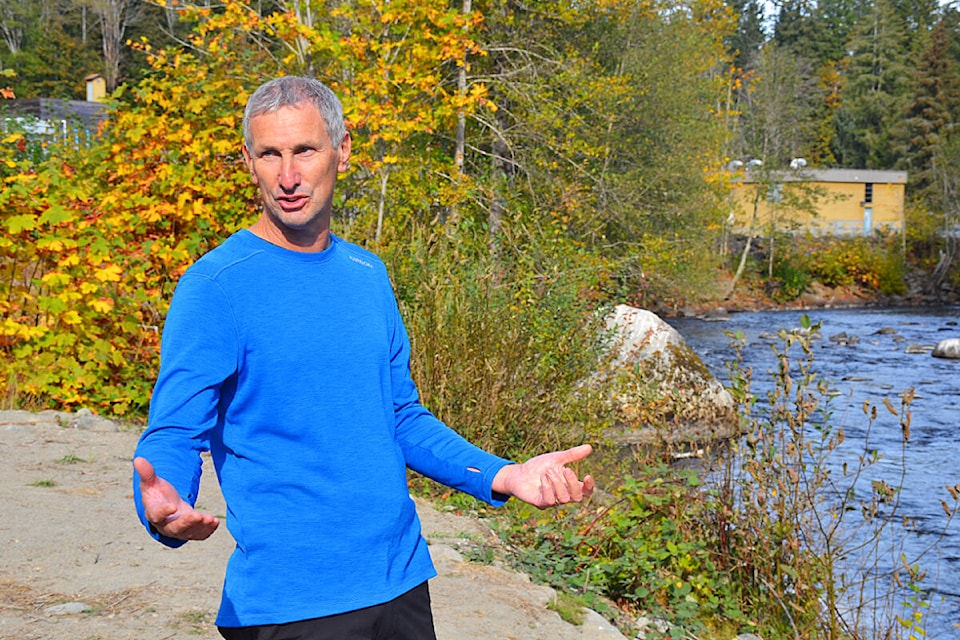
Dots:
{"x": 71, "y": 458}
{"x": 197, "y": 621}
{"x": 569, "y": 607}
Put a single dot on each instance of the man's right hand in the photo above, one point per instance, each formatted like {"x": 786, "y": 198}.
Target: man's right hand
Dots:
{"x": 171, "y": 515}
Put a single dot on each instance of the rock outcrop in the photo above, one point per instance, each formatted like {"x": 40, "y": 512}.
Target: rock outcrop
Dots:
{"x": 663, "y": 392}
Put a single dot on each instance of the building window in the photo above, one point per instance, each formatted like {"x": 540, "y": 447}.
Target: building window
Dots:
{"x": 775, "y": 192}
{"x": 868, "y": 193}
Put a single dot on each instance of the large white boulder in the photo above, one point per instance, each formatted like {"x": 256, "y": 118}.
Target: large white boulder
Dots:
{"x": 663, "y": 391}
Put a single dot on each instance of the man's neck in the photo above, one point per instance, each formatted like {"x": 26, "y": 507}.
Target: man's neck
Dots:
{"x": 303, "y": 240}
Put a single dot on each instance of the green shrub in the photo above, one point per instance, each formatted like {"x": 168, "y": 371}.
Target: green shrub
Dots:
{"x": 642, "y": 550}
{"x": 501, "y": 343}
{"x": 793, "y": 277}
{"x": 874, "y": 263}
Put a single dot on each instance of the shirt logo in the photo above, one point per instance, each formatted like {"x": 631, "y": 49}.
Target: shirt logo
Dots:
{"x": 361, "y": 262}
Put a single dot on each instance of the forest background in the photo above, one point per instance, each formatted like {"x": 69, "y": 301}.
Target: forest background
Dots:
{"x": 559, "y": 157}
{"x": 519, "y": 166}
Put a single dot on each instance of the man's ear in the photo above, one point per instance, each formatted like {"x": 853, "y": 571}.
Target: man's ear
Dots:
{"x": 248, "y": 159}
{"x": 345, "y": 146}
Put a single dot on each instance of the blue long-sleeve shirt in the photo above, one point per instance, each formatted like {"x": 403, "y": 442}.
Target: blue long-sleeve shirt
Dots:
{"x": 293, "y": 370}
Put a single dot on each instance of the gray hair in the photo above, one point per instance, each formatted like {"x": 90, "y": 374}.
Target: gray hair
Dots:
{"x": 293, "y": 91}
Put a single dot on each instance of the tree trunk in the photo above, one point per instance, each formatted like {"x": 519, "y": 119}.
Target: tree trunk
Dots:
{"x": 746, "y": 247}
{"x": 115, "y": 16}
{"x": 461, "y": 135}
{"x": 384, "y": 179}
{"x": 11, "y": 27}
{"x": 501, "y": 170}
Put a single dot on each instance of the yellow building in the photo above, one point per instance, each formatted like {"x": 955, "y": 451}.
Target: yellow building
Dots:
{"x": 820, "y": 201}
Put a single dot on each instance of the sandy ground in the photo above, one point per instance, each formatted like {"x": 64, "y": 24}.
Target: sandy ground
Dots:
{"x": 75, "y": 563}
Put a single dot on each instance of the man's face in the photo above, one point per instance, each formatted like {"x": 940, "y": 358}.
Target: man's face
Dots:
{"x": 295, "y": 165}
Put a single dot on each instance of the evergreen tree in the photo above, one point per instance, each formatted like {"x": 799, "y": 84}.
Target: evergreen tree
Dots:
{"x": 795, "y": 29}
{"x": 834, "y": 20}
{"x": 744, "y": 44}
{"x": 919, "y": 17}
{"x": 875, "y": 89}
{"x": 950, "y": 21}
{"x": 918, "y": 135}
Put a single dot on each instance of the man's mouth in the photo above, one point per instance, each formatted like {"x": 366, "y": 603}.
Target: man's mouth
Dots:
{"x": 292, "y": 203}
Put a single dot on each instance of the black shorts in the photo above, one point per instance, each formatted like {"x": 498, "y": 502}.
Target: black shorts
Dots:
{"x": 407, "y": 617}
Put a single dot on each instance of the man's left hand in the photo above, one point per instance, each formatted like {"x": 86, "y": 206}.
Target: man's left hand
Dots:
{"x": 545, "y": 481}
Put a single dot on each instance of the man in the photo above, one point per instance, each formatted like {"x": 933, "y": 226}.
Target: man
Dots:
{"x": 285, "y": 356}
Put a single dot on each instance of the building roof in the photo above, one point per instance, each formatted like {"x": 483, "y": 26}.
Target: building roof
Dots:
{"x": 89, "y": 113}
{"x": 855, "y": 176}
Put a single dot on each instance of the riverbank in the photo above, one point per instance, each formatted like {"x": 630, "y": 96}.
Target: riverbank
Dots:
{"x": 748, "y": 297}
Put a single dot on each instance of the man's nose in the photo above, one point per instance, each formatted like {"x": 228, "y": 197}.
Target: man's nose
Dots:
{"x": 289, "y": 175}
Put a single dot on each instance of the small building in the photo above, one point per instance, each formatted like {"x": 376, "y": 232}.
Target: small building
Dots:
{"x": 820, "y": 201}
{"x": 96, "y": 88}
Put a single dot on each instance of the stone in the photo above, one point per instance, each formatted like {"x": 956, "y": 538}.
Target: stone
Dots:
{"x": 914, "y": 348}
{"x": 949, "y": 348}
{"x": 68, "y": 608}
{"x": 86, "y": 419}
{"x": 843, "y": 340}
{"x": 716, "y": 315}
{"x": 647, "y": 625}
{"x": 651, "y": 364}
{"x": 596, "y": 627}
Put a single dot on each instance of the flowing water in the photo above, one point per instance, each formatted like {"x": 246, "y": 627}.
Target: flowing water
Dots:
{"x": 886, "y": 351}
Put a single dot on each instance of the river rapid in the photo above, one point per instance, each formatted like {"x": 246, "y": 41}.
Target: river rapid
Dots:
{"x": 885, "y": 352}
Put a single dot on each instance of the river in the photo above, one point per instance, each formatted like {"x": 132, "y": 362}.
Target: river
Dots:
{"x": 879, "y": 359}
